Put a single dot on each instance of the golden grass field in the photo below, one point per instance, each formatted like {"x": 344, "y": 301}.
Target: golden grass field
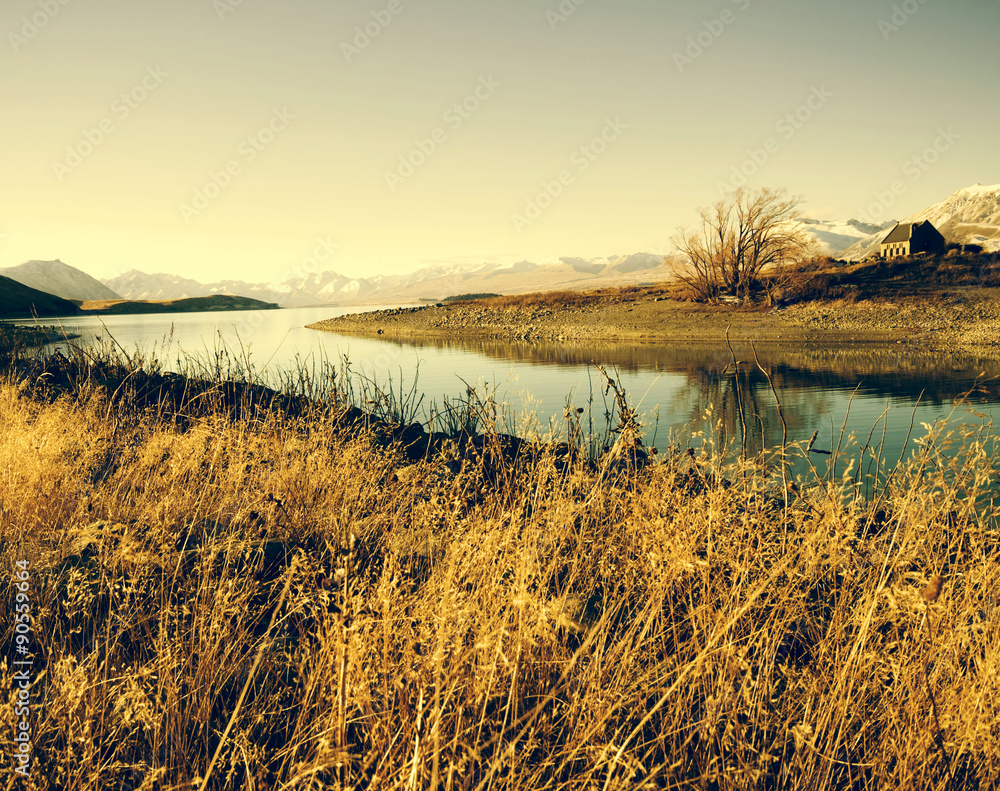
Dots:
{"x": 246, "y": 599}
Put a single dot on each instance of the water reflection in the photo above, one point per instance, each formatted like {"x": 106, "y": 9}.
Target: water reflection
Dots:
{"x": 687, "y": 390}
{"x": 844, "y": 393}
{"x": 899, "y": 371}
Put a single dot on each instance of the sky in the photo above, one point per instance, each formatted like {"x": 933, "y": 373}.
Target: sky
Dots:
{"x": 251, "y": 139}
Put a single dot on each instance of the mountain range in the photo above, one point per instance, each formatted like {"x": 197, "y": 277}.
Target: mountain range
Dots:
{"x": 433, "y": 282}
{"x": 970, "y": 215}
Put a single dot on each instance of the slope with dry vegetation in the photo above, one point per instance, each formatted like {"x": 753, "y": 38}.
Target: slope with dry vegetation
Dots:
{"x": 229, "y": 593}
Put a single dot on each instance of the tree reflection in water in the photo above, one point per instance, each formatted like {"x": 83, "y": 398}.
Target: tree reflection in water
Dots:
{"x": 821, "y": 389}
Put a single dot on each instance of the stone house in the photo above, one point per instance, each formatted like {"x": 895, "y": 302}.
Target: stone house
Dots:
{"x": 911, "y": 238}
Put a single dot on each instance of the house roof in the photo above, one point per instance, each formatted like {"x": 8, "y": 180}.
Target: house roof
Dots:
{"x": 901, "y": 233}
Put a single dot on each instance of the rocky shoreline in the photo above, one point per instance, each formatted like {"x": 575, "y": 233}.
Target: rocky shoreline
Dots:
{"x": 967, "y": 316}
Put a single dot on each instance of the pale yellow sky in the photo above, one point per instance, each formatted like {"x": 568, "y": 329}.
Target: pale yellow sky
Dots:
{"x": 216, "y": 139}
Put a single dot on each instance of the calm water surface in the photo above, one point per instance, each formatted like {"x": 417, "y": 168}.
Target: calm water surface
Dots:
{"x": 681, "y": 389}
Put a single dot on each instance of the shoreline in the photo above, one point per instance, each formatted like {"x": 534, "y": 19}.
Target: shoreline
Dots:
{"x": 965, "y": 316}
{"x": 31, "y": 335}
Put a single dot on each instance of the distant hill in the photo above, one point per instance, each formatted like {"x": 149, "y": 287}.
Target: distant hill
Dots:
{"x": 62, "y": 280}
{"x": 969, "y": 216}
{"x": 186, "y": 305}
{"x": 18, "y": 301}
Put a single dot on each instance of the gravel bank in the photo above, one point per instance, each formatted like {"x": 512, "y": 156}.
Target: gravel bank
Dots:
{"x": 963, "y": 316}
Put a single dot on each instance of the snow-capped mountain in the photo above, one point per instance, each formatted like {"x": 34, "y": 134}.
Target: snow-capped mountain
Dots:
{"x": 835, "y": 236}
{"x": 432, "y": 282}
{"x": 969, "y": 216}
{"x": 139, "y": 285}
{"x": 59, "y": 279}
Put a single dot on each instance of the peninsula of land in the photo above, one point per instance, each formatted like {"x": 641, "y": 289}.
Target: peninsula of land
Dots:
{"x": 882, "y": 303}
{"x": 961, "y": 315}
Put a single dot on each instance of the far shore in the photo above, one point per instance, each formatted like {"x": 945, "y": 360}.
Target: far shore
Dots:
{"x": 26, "y": 307}
{"x": 219, "y": 302}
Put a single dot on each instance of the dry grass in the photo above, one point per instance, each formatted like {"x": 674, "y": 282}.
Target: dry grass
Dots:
{"x": 823, "y": 279}
{"x": 577, "y": 299}
{"x": 268, "y": 602}
{"x": 544, "y": 299}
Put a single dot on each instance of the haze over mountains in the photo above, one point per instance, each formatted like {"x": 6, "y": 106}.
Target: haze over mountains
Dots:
{"x": 433, "y": 282}
{"x": 968, "y": 216}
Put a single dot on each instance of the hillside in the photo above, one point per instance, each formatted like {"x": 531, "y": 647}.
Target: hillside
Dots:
{"x": 968, "y": 216}
{"x": 18, "y": 301}
{"x": 187, "y": 305}
{"x": 62, "y": 280}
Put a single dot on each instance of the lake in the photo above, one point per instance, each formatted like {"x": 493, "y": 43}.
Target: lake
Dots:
{"x": 686, "y": 393}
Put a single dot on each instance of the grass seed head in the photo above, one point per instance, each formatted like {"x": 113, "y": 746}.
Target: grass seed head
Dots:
{"x": 933, "y": 589}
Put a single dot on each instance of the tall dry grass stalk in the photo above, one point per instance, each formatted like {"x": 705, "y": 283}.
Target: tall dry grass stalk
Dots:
{"x": 253, "y": 599}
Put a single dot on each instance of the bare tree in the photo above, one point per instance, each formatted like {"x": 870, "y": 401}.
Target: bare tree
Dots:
{"x": 741, "y": 236}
